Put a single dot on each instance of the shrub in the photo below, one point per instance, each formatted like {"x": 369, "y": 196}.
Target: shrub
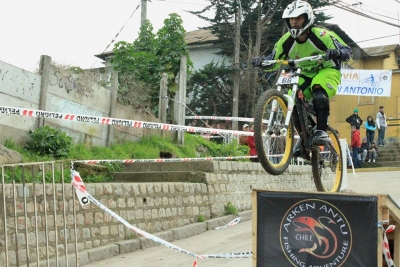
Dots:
{"x": 201, "y": 218}
{"x": 46, "y": 141}
{"x": 230, "y": 209}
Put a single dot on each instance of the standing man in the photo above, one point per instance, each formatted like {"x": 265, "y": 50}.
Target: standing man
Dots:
{"x": 354, "y": 120}
{"x": 381, "y": 125}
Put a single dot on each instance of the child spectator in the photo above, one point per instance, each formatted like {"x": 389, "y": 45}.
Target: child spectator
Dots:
{"x": 243, "y": 138}
{"x": 252, "y": 145}
{"x": 364, "y": 150}
{"x": 373, "y": 152}
{"x": 371, "y": 128}
{"x": 355, "y": 145}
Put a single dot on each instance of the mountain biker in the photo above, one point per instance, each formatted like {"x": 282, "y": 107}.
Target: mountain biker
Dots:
{"x": 322, "y": 78}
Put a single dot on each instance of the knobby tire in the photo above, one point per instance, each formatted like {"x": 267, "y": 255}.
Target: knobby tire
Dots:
{"x": 325, "y": 179}
{"x": 266, "y": 152}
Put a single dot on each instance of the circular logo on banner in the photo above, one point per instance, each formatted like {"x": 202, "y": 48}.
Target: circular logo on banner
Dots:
{"x": 314, "y": 232}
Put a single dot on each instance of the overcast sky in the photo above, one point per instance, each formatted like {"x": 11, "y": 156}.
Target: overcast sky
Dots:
{"x": 73, "y": 31}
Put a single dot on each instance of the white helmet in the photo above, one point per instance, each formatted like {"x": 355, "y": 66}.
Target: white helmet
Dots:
{"x": 295, "y": 9}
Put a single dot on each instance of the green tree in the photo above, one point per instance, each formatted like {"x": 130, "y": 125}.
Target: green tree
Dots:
{"x": 211, "y": 90}
{"x": 171, "y": 46}
{"x": 141, "y": 63}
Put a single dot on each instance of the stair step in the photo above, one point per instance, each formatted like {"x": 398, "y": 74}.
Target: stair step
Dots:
{"x": 381, "y": 164}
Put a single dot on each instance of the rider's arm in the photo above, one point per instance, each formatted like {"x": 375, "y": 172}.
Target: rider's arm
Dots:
{"x": 332, "y": 41}
{"x": 278, "y": 52}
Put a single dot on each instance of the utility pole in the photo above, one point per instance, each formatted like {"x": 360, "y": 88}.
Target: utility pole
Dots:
{"x": 143, "y": 12}
{"x": 236, "y": 81}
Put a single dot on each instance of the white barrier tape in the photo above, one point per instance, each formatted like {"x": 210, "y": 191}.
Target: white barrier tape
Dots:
{"x": 76, "y": 180}
{"x": 229, "y": 255}
{"x": 218, "y": 118}
{"x": 231, "y": 223}
{"x": 117, "y": 122}
{"x": 127, "y": 161}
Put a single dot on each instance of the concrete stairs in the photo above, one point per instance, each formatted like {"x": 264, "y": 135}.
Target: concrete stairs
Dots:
{"x": 191, "y": 172}
{"x": 388, "y": 156}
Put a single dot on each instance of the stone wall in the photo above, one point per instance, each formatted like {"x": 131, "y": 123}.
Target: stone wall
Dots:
{"x": 153, "y": 207}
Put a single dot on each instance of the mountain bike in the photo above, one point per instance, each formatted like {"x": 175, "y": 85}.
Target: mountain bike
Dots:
{"x": 274, "y": 132}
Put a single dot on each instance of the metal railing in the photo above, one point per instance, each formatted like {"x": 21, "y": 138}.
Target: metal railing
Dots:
{"x": 38, "y": 225}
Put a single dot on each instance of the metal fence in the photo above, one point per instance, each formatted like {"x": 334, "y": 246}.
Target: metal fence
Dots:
{"x": 38, "y": 209}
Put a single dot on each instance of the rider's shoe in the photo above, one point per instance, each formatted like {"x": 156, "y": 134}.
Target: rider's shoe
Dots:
{"x": 321, "y": 138}
{"x": 297, "y": 149}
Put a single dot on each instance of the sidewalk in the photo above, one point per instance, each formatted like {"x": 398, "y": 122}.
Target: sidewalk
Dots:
{"x": 378, "y": 182}
{"x": 238, "y": 238}
{"x": 228, "y": 240}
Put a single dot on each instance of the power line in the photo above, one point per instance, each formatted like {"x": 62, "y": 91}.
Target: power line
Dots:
{"x": 115, "y": 37}
{"x": 354, "y": 11}
{"x": 376, "y": 38}
{"x": 188, "y": 3}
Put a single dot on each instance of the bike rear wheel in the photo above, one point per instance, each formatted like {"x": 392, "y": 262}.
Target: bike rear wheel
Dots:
{"x": 274, "y": 150}
{"x": 327, "y": 179}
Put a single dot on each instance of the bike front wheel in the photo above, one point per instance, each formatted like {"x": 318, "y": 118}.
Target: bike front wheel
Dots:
{"x": 328, "y": 170}
{"x": 273, "y": 140}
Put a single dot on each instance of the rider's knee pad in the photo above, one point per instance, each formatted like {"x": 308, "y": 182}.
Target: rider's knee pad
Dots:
{"x": 320, "y": 100}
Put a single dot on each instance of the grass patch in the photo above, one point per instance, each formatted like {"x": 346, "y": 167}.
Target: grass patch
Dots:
{"x": 195, "y": 146}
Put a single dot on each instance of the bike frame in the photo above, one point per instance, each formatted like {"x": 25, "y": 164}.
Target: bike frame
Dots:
{"x": 291, "y": 79}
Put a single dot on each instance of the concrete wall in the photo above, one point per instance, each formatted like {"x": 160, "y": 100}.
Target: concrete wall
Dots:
{"x": 153, "y": 207}
{"x": 18, "y": 88}
{"x": 84, "y": 94}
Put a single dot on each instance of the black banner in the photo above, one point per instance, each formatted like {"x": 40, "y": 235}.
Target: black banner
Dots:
{"x": 316, "y": 230}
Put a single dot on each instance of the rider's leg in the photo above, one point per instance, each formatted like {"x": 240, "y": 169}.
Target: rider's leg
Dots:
{"x": 321, "y": 107}
{"x": 324, "y": 85}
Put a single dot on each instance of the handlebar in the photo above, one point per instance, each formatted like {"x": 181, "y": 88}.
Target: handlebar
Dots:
{"x": 294, "y": 61}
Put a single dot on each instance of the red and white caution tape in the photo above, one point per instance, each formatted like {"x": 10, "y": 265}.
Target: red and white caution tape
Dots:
{"x": 231, "y": 223}
{"x": 127, "y": 161}
{"x": 385, "y": 245}
{"x": 117, "y": 122}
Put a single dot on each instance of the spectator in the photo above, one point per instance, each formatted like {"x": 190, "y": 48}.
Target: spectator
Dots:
{"x": 363, "y": 153}
{"x": 354, "y": 119}
{"x": 243, "y": 138}
{"x": 373, "y": 152}
{"x": 371, "y": 128}
{"x": 252, "y": 145}
{"x": 355, "y": 145}
{"x": 278, "y": 149}
{"x": 381, "y": 125}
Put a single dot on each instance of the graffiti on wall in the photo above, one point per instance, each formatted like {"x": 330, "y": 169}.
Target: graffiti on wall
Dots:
{"x": 83, "y": 82}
